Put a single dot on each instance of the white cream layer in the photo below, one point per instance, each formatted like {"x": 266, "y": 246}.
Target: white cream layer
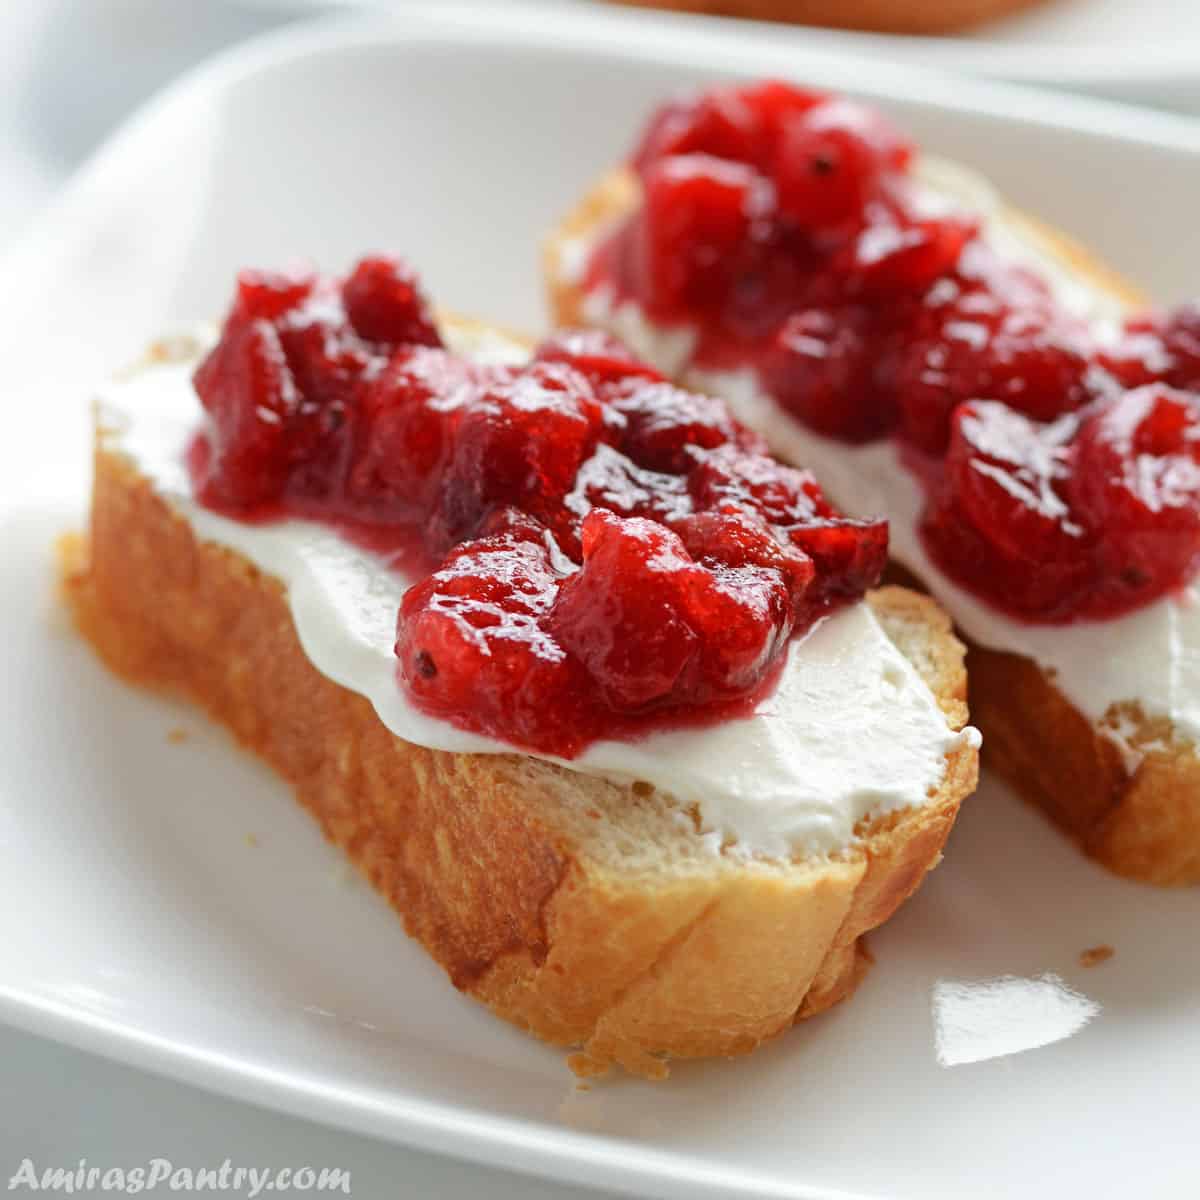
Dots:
{"x": 1150, "y": 657}
{"x": 850, "y": 732}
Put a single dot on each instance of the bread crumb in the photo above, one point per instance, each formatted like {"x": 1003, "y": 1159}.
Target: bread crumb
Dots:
{"x": 1095, "y": 955}
{"x": 584, "y": 1066}
{"x": 252, "y": 840}
{"x": 177, "y": 735}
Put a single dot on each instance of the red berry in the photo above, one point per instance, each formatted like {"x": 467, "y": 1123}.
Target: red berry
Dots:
{"x": 384, "y": 304}
{"x": 663, "y": 423}
{"x": 743, "y": 617}
{"x": 1136, "y": 483}
{"x": 697, "y": 215}
{"x": 822, "y": 369}
{"x": 1001, "y": 521}
{"x": 1034, "y": 364}
{"x": 692, "y": 543}
{"x": 1139, "y": 355}
{"x": 736, "y": 539}
{"x": 521, "y": 441}
{"x": 829, "y": 162}
{"x": 268, "y": 295}
{"x": 849, "y": 556}
{"x": 252, "y": 402}
{"x": 1007, "y": 473}
{"x": 729, "y": 479}
{"x": 473, "y": 646}
{"x": 775, "y": 100}
{"x": 623, "y": 616}
{"x": 408, "y": 417}
{"x": 903, "y": 259}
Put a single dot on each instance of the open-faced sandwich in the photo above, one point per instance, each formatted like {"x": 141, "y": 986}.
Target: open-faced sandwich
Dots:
{"x": 1032, "y": 435}
{"x": 596, "y": 693}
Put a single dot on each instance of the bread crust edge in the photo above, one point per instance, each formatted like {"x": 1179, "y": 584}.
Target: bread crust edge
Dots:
{"x": 882, "y": 16}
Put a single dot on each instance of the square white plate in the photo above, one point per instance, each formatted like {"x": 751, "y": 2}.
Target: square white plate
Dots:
{"x": 142, "y": 920}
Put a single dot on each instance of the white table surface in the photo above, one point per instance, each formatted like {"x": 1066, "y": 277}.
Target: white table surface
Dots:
{"x": 69, "y": 71}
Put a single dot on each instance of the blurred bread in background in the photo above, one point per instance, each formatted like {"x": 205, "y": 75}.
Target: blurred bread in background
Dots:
{"x": 882, "y": 16}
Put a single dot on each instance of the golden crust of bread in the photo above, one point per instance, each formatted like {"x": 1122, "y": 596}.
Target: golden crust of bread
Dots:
{"x": 504, "y": 867}
{"x": 1137, "y": 813}
{"x": 880, "y": 16}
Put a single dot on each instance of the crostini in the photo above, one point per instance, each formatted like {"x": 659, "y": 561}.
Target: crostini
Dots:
{"x": 937, "y": 356}
{"x": 599, "y": 696}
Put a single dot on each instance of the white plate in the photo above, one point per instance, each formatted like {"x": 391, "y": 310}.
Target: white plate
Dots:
{"x": 1142, "y": 51}
{"x": 142, "y": 923}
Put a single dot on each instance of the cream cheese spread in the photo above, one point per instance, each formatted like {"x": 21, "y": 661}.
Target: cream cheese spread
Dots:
{"x": 850, "y": 732}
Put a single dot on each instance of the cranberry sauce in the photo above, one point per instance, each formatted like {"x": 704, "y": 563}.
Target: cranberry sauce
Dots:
{"x": 784, "y": 227}
{"x": 599, "y": 552}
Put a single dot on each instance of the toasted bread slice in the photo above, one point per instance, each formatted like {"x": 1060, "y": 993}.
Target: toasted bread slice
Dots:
{"x": 583, "y": 911}
{"x": 879, "y": 16}
{"x": 1135, "y": 809}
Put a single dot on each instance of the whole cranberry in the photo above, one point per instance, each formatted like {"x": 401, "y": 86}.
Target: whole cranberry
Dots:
{"x": 384, "y": 304}
{"x": 776, "y": 100}
{"x": 744, "y": 616}
{"x": 1138, "y": 355}
{"x": 695, "y": 220}
{"x": 1157, "y": 347}
{"x": 730, "y": 479}
{"x": 1136, "y": 482}
{"x": 849, "y": 556}
{"x": 623, "y": 615}
{"x": 1007, "y": 473}
{"x": 821, "y": 368}
{"x": 1002, "y": 522}
{"x": 736, "y": 539}
{"x": 268, "y": 295}
{"x": 829, "y": 161}
{"x": 473, "y": 647}
{"x": 407, "y": 419}
{"x": 663, "y": 423}
{"x": 904, "y": 259}
{"x": 1036, "y": 363}
{"x": 520, "y": 441}
{"x": 252, "y": 402}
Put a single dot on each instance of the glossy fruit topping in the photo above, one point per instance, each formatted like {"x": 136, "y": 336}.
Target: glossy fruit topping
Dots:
{"x": 784, "y": 229}
{"x": 1087, "y": 516}
{"x": 597, "y": 551}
